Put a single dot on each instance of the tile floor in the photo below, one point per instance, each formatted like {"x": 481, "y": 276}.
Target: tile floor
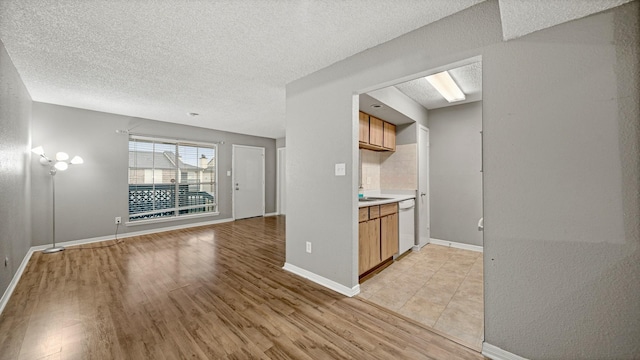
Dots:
{"x": 438, "y": 286}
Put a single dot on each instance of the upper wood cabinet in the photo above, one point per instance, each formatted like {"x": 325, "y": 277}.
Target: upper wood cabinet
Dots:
{"x": 376, "y": 134}
{"x": 389, "y": 136}
{"x": 364, "y": 128}
{"x": 376, "y": 131}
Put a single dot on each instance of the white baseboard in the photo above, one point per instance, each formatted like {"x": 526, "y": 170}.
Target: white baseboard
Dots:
{"x": 16, "y": 277}
{"x": 170, "y": 228}
{"x": 495, "y": 353}
{"x": 330, "y": 284}
{"x": 271, "y": 214}
{"x": 456, "y": 245}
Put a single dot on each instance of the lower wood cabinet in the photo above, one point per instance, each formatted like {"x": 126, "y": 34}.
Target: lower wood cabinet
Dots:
{"x": 377, "y": 235}
{"x": 389, "y": 236}
{"x": 368, "y": 245}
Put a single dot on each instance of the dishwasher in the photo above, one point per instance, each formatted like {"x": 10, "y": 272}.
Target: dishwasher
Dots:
{"x": 406, "y": 225}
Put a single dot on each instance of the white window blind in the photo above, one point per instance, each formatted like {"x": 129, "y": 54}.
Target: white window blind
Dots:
{"x": 169, "y": 178}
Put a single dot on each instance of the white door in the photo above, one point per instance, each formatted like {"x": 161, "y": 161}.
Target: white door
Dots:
{"x": 248, "y": 181}
{"x": 282, "y": 177}
{"x": 424, "y": 223}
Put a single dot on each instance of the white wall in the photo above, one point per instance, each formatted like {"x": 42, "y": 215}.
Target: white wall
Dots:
{"x": 90, "y": 196}
{"x": 15, "y": 220}
{"x": 561, "y": 181}
{"x": 455, "y": 179}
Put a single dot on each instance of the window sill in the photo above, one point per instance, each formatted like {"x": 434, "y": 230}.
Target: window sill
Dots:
{"x": 170, "y": 219}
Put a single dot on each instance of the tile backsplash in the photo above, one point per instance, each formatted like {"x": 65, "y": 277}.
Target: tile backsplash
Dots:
{"x": 370, "y": 169}
{"x": 390, "y": 170}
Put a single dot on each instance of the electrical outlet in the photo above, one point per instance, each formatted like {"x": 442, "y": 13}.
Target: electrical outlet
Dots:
{"x": 118, "y": 220}
{"x": 309, "y": 247}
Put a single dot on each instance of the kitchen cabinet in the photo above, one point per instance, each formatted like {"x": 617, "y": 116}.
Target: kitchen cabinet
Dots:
{"x": 389, "y": 136}
{"x": 376, "y": 134}
{"x": 376, "y": 131}
{"x": 364, "y": 128}
{"x": 377, "y": 235}
{"x": 368, "y": 245}
{"x": 389, "y": 236}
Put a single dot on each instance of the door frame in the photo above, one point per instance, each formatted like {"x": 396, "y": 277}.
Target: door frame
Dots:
{"x": 419, "y": 243}
{"x": 233, "y": 177}
{"x": 279, "y": 180}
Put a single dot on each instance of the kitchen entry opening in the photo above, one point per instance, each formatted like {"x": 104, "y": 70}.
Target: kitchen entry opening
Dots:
{"x": 437, "y": 157}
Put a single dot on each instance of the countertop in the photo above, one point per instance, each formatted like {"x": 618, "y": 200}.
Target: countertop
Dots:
{"x": 389, "y": 198}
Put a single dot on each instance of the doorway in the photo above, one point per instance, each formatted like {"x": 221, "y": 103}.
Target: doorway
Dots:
{"x": 248, "y": 168}
{"x": 282, "y": 183}
{"x": 422, "y": 215}
{"x": 439, "y": 284}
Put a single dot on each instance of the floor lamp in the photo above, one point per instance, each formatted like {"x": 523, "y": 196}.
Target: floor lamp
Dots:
{"x": 60, "y": 163}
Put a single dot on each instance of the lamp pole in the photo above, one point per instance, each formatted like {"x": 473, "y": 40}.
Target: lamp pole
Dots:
{"x": 54, "y": 248}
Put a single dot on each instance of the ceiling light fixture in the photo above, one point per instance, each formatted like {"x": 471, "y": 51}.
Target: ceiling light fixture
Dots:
{"x": 193, "y": 114}
{"x": 376, "y": 106}
{"x": 443, "y": 82}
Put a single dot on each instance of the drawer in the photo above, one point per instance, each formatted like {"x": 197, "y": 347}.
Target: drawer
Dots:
{"x": 374, "y": 212}
{"x": 363, "y": 214}
{"x": 388, "y": 209}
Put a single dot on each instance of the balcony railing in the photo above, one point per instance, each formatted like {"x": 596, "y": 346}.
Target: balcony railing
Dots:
{"x": 147, "y": 201}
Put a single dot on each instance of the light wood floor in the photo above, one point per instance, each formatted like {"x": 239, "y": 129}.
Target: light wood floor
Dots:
{"x": 438, "y": 286}
{"x": 215, "y": 292}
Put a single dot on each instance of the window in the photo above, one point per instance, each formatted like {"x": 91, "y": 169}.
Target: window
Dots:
{"x": 169, "y": 178}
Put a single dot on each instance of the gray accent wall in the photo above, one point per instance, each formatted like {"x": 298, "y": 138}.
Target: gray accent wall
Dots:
{"x": 15, "y": 218}
{"x": 90, "y": 196}
{"x": 561, "y": 180}
{"x": 455, "y": 180}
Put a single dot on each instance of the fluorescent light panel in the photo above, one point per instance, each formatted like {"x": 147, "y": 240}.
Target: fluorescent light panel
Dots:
{"x": 446, "y": 86}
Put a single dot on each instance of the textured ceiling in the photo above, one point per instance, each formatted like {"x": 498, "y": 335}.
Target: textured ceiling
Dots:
{"x": 522, "y": 17}
{"x": 468, "y": 78}
{"x": 227, "y": 60}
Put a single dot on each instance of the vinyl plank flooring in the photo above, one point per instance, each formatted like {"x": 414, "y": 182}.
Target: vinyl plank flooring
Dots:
{"x": 211, "y": 292}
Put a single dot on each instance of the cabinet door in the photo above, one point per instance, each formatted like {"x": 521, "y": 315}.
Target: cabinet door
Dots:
{"x": 389, "y": 136}
{"x": 389, "y": 241}
{"x": 368, "y": 245}
{"x": 364, "y": 128}
{"x": 376, "y": 131}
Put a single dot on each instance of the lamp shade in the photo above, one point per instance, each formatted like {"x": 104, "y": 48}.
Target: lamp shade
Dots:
{"x": 38, "y": 150}
{"x": 62, "y": 156}
{"x": 61, "y": 165}
{"x": 77, "y": 160}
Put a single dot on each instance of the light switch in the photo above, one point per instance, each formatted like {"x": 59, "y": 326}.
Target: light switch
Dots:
{"x": 341, "y": 169}
{"x": 228, "y": 172}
